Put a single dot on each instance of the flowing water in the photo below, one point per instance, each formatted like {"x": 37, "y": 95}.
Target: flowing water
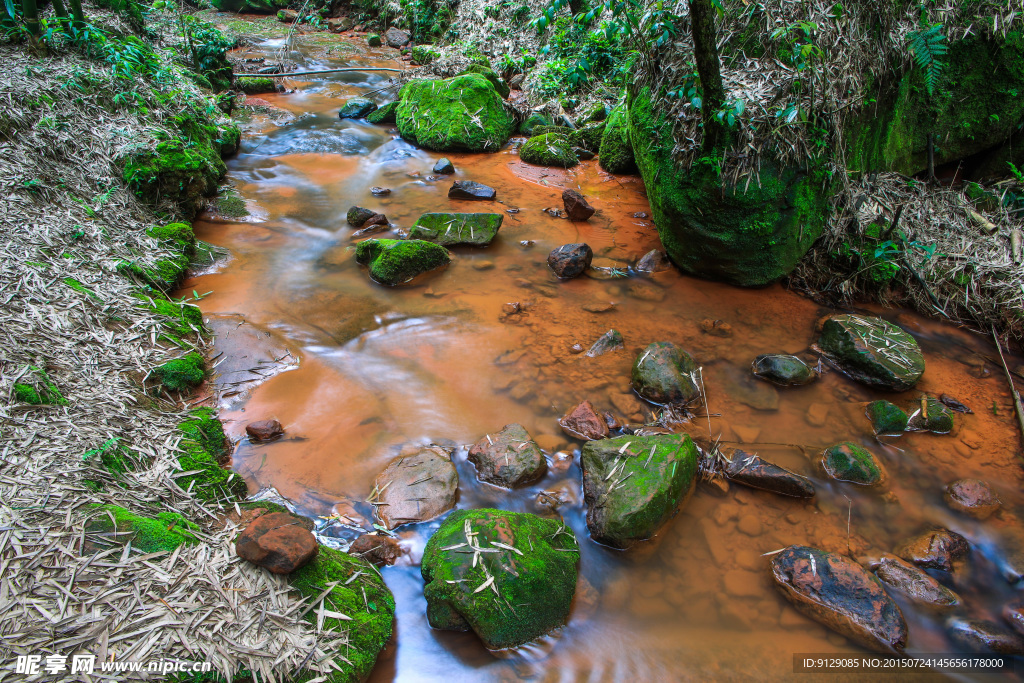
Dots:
{"x": 356, "y": 371}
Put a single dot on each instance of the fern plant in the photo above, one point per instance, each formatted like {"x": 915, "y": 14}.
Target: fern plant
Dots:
{"x": 928, "y": 46}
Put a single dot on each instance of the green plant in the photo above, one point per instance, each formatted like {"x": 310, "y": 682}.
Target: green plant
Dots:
{"x": 928, "y": 47}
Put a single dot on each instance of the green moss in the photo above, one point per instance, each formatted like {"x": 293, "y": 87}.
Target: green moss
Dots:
{"x": 176, "y": 236}
{"x": 256, "y": 6}
{"x": 26, "y": 393}
{"x": 392, "y": 262}
{"x": 232, "y": 205}
{"x": 422, "y": 54}
{"x": 549, "y": 149}
{"x": 532, "y": 121}
{"x": 384, "y": 114}
{"x": 80, "y": 288}
{"x": 595, "y": 113}
{"x": 499, "y": 85}
{"x": 849, "y": 462}
{"x": 203, "y": 448}
{"x": 36, "y": 388}
{"x": 182, "y": 374}
{"x": 591, "y": 135}
{"x": 574, "y": 136}
{"x": 939, "y": 419}
{"x": 365, "y": 599}
{"x": 615, "y": 153}
{"x": 164, "y": 531}
{"x": 373, "y": 40}
{"x": 183, "y": 319}
{"x": 164, "y": 275}
{"x": 886, "y": 418}
{"x": 464, "y": 114}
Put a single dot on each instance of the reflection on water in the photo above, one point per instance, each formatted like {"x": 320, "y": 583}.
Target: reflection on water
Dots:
{"x": 440, "y": 361}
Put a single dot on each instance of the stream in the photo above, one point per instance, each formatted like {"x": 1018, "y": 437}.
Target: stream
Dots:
{"x": 356, "y": 371}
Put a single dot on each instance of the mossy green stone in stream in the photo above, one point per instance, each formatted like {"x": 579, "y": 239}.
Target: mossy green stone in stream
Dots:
{"x": 549, "y": 149}
{"x": 886, "y": 418}
{"x": 165, "y": 531}
{"x": 939, "y": 418}
{"x": 633, "y": 485}
{"x": 385, "y": 113}
{"x": 532, "y": 587}
{"x": 663, "y": 373}
{"x": 615, "y": 152}
{"x": 849, "y": 462}
{"x": 392, "y": 262}
{"x": 487, "y": 73}
{"x": 573, "y": 135}
{"x": 357, "y": 108}
{"x": 461, "y": 114}
{"x": 203, "y": 448}
{"x": 448, "y": 229}
{"x": 872, "y": 351}
{"x": 532, "y": 121}
{"x": 365, "y": 600}
{"x": 182, "y": 374}
{"x": 373, "y": 40}
{"x": 256, "y": 86}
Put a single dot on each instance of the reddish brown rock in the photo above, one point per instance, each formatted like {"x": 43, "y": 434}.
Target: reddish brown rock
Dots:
{"x": 1014, "y": 615}
{"x": 753, "y": 471}
{"x": 576, "y": 206}
{"x": 583, "y": 422}
{"x": 570, "y": 260}
{"x": 716, "y": 328}
{"x": 509, "y": 458}
{"x": 380, "y": 550}
{"x": 277, "y": 541}
{"x": 653, "y": 261}
{"x": 972, "y": 497}
{"x": 939, "y": 549}
{"x": 415, "y": 487}
{"x": 983, "y": 636}
{"x": 375, "y": 219}
{"x": 914, "y": 583}
{"x": 264, "y": 430}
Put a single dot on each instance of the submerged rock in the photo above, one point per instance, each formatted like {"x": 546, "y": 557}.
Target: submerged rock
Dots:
{"x": 609, "y": 341}
{"x": 509, "y": 458}
{"x": 444, "y": 166}
{"x": 461, "y": 114}
{"x": 357, "y": 108}
{"x": 375, "y": 548}
{"x": 914, "y": 583}
{"x": 938, "y": 549}
{"x": 842, "y": 595}
{"x": 576, "y": 206}
{"x": 264, "y": 430}
{"x": 632, "y": 485}
{"x": 756, "y": 472}
{"x": 653, "y": 261}
{"x": 972, "y": 497}
{"x": 849, "y": 462}
{"x": 467, "y": 189}
{"x": 886, "y": 418}
{"x": 570, "y": 260}
{"x": 872, "y": 351}
{"x": 278, "y": 541}
{"x": 933, "y": 416}
{"x": 357, "y": 215}
{"x": 392, "y": 262}
{"x": 482, "y": 565}
{"x": 549, "y": 149}
{"x": 583, "y": 422}
{"x": 415, "y": 488}
{"x": 450, "y": 229}
{"x": 664, "y": 374}
{"x": 983, "y": 636}
{"x": 783, "y": 369}
{"x": 745, "y": 388}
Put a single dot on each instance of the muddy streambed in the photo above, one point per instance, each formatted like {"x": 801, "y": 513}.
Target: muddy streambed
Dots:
{"x": 356, "y": 371}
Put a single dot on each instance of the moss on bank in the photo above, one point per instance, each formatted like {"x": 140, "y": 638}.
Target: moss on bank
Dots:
{"x": 615, "y": 153}
{"x": 182, "y": 374}
{"x": 36, "y": 388}
{"x": 164, "y": 531}
{"x": 204, "y": 447}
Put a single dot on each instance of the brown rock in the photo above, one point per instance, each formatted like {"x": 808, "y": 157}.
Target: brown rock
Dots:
{"x": 583, "y": 422}
{"x": 753, "y": 471}
{"x": 277, "y": 541}
{"x": 375, "y": 219}
{"x": 972, "y": 497}
{"x": 576, "y": 206}
{"x": 653, "y": 261}
{"x": 396, "y": 37}
{"x": 264, "y": 430}
{"x": 570, "y": 260}
{"x": 380, "y": 191}
{"x": 939, "y": 549}
{"x": 509, "y": 458}
{"x": 982, "y": 636}
{"x": 914, "y": 583}
{"x": 415, "y": 488}
{"x": 716, "y": 328}
{"x": 561, "y": 461}
{"x": 339, "y": 24}
{"x": 1014, "y": 615}
{"x": 287, "y": 15}
{"x": 380, "y": 550}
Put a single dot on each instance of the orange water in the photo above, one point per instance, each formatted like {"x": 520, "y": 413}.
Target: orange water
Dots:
{"x": 437, "y": 361}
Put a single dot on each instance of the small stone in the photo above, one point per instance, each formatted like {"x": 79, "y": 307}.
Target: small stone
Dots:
{"x": 416, "y": 487}
{"x": 576, "y": 206}
{"x": 653, "y": 261}
{"x": 509, "y": 458}
{"x": 662, "y": 374}
{"x": 749, "y": 525}
{"x": 716, "y": 328}
{"x": 583, "y": 422}
{"x": 576, "y": 348}
{"x": 938, "y": 549}
{"x": 287, "y": 16}
{"x": 753, "y": 471}
{"x": 931, "y": 416}
{"x": 886, "y": 418}
{"x": 511, "y": 308}
{"x": 444, "y": 166}
{"x": 380, "y": 191}
{"x": 599, "y": 307}
{"x": 467, "y": 189}
{"x": 872, "y": 351}
{"x": 783, "y": 369}
{"x": 1013, "y": 613}
{"x": 483, "y": 265}
{"x": 849, "y": 462}
{"x": 396, "y": 37}
{"x": 646, "y": 292}
{"x": 264, "y": 430}
{"x": 972, "y": 497}
{"x": 570, "y": 260}
{"x": 278, "y": 541}
{"x": 371, "y": 229}
{"x": 376, "y": 219}
{"x": 357, "y": 216}
{"x": 561, "y": 461}
{"x": 954, "y": 404}
{"x": 380, "y": 550}
{"x": 817, "y": 414}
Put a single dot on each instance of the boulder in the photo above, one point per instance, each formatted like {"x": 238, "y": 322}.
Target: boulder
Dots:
{"x": 339, "y": 24}
{"x": 415, "y": 488}
{"x": 753, "y": 471}
{"x": 444, "y": 166}
{"x": 532, "y": 121}
{"x": 937, "y": 549}
{"x": 615, "y": 153}
{"x": 839, "y": 593}
{"x": 972, "y": 497}
{"x": 449, "y": 229}
{"x": 609, "y": 341}
{"x": 576, "y": 206}
{"x": 264, "y": 430}
{"x": 783, "y": 369}
{"x": 375, "y": 548}
{"x": 373, "y": 40}
{"x": 633, "y": 485}
{"x": 886, "y": 418}
{"x": 583, "y": 422}
{"x": 393, "y": 262}
{"x": 461, "y": 114}
{"x": 914, "y": 583}
{"x": 509, "y": 458}
{"x": 933, "y": 416}
{"x": 653, "y": 261}
{"x": 480, "y": 564}
{"x": 665, "y": 374}
{"x": 849, "y": 462}
{"x": 357, "y": 216}
{"x": 287, "y": 15}
{"x": 383, "y": 114}
{"x": 983, "y": 637}
{"x": 499, "y": 85}
{"x": 570, "y": 260}
{"x": 872, "y": 351}
{"x": 549, "y": 149}
{"x": 396, "y": 37}
{"x": 357, "y": 108}
{"x": 278, "y": 541}
{"x": 467, "y": 189}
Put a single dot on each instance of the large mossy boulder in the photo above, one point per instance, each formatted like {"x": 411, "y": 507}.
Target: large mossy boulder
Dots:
{"x": 615, "y": 153}
{"x": 748, "y": 234}
{"x": 549, "y": 149}
{"x": 461, "y": 114}
{"x": 632, "y": 485}
{"x": 253, "y": 6}
{"x": 393, "y": 262}
{"x": 664, "y": 374}
{"x": 349, "y": 586}
{"x": 499, "y": 84}
{"x": 508, "y": 576}
{"x": 449, "y": 229}
{"x": 872, "y": 351}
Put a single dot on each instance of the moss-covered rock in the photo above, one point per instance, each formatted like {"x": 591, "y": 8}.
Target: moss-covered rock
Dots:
{"x": 373, "y": 40}
{"x": 886, "y": 418}
{"x": 203, "y": 447}
{"x": 591, "y": 135}
{"x": 392, "y": 262}
{"x": 509, "y": 594}
{"x": 532, "y": 121}
{"x": 632, "y": 485}
{"x": 549, "y": 149}
{"x": 449, "y": 229}
{"x": 256, "y": 86}
{"x": 36, "y": 388}
{"x": 230, "y": 139}
{"x": 182, "y": 374}
{"x": 932, "y": 416}
{"x": 499, "y": 84}
{"x": 615, "y": 151}
{"x": 386, "y": 113}
{"x": 595, "y": 113}
{"x": 176, "y": 236}
{"x": 184, "y": 170}
{"x": 461, "y": 114}
{"x": 165, "y": 531}
{"x": 357, "y": 108}
{"x": 872, "y": 351}
{"x": 663, "y": 373}
{"x": 849, "y": 462}
{"x": 573, "y": 135}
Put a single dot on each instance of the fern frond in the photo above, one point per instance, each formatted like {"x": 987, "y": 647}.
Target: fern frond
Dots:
{"x": 927, "y": 47}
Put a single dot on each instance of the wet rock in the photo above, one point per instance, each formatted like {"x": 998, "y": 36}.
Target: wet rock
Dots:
{"x": 932, "y": 416}
{"x": 511, "y": 308}
{"x": 576, "y": 206}
{"x": 357, "y": 216}
{"x": 449, "y": 229}
{"x": 653, "y": 261}
{"x": 385, "y": 113}
{"x": 467, "y": 189}
{"x": 972, "y": 497}
{"x": 609, "y": 341}
{"x": 954, "y": 404}
{"x": 849, "y": 462}
{"x": 914, "y": 583}
{"x": 817, "y": 414}
{"x": 937, "y": 549}
{"x": 375, "y": 548}
{"x": 337, "y": 25}
{"x": 481, "y": 561}
{"x": 549, "y": 149}
{"x": 376, "y": 219}
{"x": 278, "y": 541}
{"x": 983, "y": 637}
{"x": 583, "y": 154}
{"x": 576, "y": 348}
{"x": 392, "y": 262}
{"x": 1013, "y": 613}
{"x": 783, "y": 369}
{"x": 396, "y": 37}
{"x": 570, "y": 260}
{"x": 461, "y": 114}
{"x": 373, "y": 40}
{"x": 562, "y": 495}
{"x": 598, "y": 307}
{"x": 370, "y": 229}
{"x": 357, "y": 108}
{"x": 645, "y": 292}
{"x": 509, "y": 458}
{"x": 264, "y": 430}
{"x": 716, "y": 328}
{"x": 664, "y": 374}
{"x": 757, "y": 473}
{"x": 632, "y": 485}
{"x": 444, "y": 166}
{"x": 743, "y": 387}
{"x": 872, "y": 351}
{"x": 380, "y": 191}
{"x": 583, "y": 422}
{"x": 287, "y": 16}
{"x": 886, "y": 418}
{"x": 415, "y": 488}
{"x": 842, "y": 595}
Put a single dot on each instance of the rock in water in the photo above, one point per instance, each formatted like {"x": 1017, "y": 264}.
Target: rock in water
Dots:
{"x": 483, "y": 563}
{"x": 632, "y": 485}
{"x": 357, "y": 215}
{"x": 576, "y": 206}
{"x": 914, "y": 583}
{"x": 415, "y": 488}
{"x": 392, "y": 262}
{"x": 664, "y": 374}
{"x": 782, "y": 369}
{"x": 467, "y": 189}
{"x": 609, "y": 341}
{"x": 933, "y": 416}
{"x": 385, "y": 113}
{"x": 872, "y": 351}
{"x": 461, "y": 114}
{"x": 570, "y": 260}
{"x": 653, "y": 261}
{"x": 264, "y": 430}
{"x": 357, "y": 108}
{"x": 1013, "y": 613}
{"x": 278, "y": 541}
{"x": 449, "y": 229}
{"x": 380, "y": 550}
{"x": 396, "y": 37}
{"x": 444, "y": 166}
{"x": 757, "y": 473}
{"x": 509, "y": 458}
{"x": 972, "y": 497}
{"x": 842, "y": 595}
{"x": 583, "y": 422}
{"x": 849, "y": 462}
{"x": 549, "y": 149}
{"x": 886, "y": 418}
{"x": 983, "y": 636}
{"x": 938, "y": 549}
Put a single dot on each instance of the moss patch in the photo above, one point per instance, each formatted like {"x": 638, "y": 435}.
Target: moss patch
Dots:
{"x": 886, "y": 418}
{"x": 164, "y": 531}
{"x": 256, "y": 86}
{"x": 615, "y": 153}
{"x": 204, "y": 447}
{"x": 385, "y": 113}
{"x": 182, "y": 374}
{"x": 549, "y": 149}
{"x": 499, "y": 85}
{"x": 849, "y": 462}
{"x": 462, "y": 114}
{"x": 392, "y": 262}
{"x": 36, "y": 388}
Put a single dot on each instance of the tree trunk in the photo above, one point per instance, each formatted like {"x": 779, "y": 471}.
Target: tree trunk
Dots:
{"x": 60, "y": 11}
{"x": 705, "y": 50}
{"x": 31, "y": 14}
{"x": 77, "y": 14}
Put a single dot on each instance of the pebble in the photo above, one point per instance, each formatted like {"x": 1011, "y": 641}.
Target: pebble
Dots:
{"x": 483, "y": 265}
{"x": 817, "y": 414}
{"x": 750, "y": 525}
